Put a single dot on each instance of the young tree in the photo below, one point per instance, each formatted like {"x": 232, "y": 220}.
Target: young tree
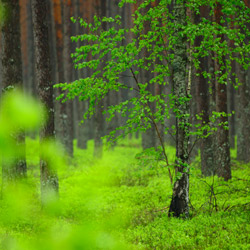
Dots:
{"x": 171, "y": 54}
{"x": 49, "y": 179}
{"x": 182, "y": 86}
{"x": 12, "y": 78}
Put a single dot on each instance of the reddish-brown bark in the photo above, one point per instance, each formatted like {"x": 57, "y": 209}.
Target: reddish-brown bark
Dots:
{"x": 222, "y": 166}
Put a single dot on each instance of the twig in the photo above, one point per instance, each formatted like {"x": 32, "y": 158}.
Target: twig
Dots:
{"x": 156, "y": 128}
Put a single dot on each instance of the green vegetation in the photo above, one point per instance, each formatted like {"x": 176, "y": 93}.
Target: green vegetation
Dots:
{"x": 120, "y": 202}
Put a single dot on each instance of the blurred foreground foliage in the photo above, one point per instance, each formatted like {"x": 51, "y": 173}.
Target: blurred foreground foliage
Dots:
{"x": 24, "y": 223}
{"x": 118, "y": 202}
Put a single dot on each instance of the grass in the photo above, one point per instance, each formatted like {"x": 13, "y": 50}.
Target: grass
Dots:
{"x": 120, "y": 202}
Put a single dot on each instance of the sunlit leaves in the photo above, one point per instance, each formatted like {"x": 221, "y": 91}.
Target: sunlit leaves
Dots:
{"x": 109, "y": 54}
{"x": 21, "y": 111}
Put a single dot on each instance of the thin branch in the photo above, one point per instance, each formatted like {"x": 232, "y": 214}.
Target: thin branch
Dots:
{"x": 196, "y": 140}
{"x": 172, "y": 136}
{"x": 127, "y": 87}
{"x": 156, "y": 128}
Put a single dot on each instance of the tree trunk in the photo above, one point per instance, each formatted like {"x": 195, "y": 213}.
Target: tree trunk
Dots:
{"x": 63, "y": 120}
{"x": 68, "y": 70}
{"x": 243, "y": 136}
{"x": 232, "y": 107}
{"x": 222, "y": 163}
{"x": 100, "y": 9}
{"x": 243, "y": 133}
{"x": 180, "y": 199}
{"x": 12, "y": 78}
{"x": 203, "y": 104}
{"x": 40, "y": 12}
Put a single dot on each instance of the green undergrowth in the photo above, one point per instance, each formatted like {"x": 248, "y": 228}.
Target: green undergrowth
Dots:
{"x": 121, "y": 202}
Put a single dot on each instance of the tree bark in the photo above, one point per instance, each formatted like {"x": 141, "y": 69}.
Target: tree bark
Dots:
{"x": 68, "y": 70}
{"x": 243, "y": 135}
{"x": 100, "y": 8}
{"x": 63, "y": 120}
{"x": 222, "y": 163}
{"x": 180, "y": 199}
{"x": 203, "y": 104}
{"x": 243, "y": 130}
{"x": 40, "y": 15}
{"x": 12, "y": 78}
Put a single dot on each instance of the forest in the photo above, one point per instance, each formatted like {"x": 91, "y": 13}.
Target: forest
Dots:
{"x": 124, "y": 124}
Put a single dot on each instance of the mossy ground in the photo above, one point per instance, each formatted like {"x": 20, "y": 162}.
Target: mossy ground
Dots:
{"x": 120, "y": 202}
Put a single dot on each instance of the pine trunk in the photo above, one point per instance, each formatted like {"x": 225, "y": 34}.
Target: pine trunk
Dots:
{"x": 12, "y": 78}
{"x": 68, "y": 70}
{"x": 49, "y": 180}
{"x": 180, "y": 199}
{"x": 222, "y": 163}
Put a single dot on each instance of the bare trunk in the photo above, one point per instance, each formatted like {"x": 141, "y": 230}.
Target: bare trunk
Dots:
{"x": 68, "y": 71}
{"x": 243, "y": 135}
{"x": 12, "y": 78}
{"x": 49, "y": 180}
{"x": 180, "y": 199}
{"x": 222, "y": 163}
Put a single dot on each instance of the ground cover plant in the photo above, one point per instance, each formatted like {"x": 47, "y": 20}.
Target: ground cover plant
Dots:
{"x": 118, "y": 203}
{"x": 156, "y": 198}
{"x": 170, "y": 43}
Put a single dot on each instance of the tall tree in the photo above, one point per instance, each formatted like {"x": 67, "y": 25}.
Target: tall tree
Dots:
{"x": 222, "y": 163}
{"x": 84, "y": 131}
{"x": 204, "y": 103}
{"x": 182, "y": 84}
{"x": 24, "y": 39}
{"x": 64, "y": 122}
{"x": 171, "y": 49}
{"x": 100, "y": 8}
{"x": 12, "y": 77}
{"x": 40, "y": 15}
{"x": 243, "y": 133}
{"x": 68, "y": 68}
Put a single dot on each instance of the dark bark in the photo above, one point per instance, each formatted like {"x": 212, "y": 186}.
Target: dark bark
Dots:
{"x": 223, "y": 168}
{"x": 243, "y": 135}
{"x": 12, "y": 78}
{"x": 232, "y": 107}
{"x": 222, "y": 163}
{"x": 31, "y": 54}
{"x": 180, "y": 199}
{"x": 243, "y": 130}
{"x": 68, "y": 70}
{"x": 40, "y": 15}
{"x": 203, "y": 104}
{"x": 27, "y": 47}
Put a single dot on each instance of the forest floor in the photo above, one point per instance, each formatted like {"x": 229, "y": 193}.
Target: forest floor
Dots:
{"x": 121, "y": 202}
